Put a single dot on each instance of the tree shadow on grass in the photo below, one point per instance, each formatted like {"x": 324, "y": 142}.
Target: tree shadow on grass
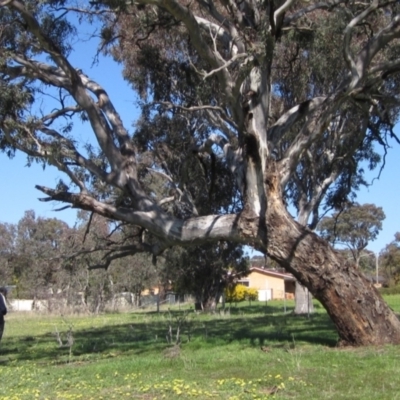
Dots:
{"x": 264, "y": 330}
{"x": 148, "y": 332}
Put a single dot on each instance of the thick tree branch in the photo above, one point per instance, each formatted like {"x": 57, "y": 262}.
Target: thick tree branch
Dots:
{"x": 355, "y": 70}
{"x": 169, "y": 229}
{"x": 277, "y": 131}
{"x": 123, "y": 164}
{"x": 323, "y": 5}
{"x": 204, "y": 50}
{"x": 111, "y": 113}
{"x": 237, "y": 45}
{"x": 74, "y": 85}
{"x": 281, "y": 10}
{"x": 376, "y": 44}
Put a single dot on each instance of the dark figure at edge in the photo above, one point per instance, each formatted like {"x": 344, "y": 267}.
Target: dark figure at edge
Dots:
{"x": 3, "y": 309}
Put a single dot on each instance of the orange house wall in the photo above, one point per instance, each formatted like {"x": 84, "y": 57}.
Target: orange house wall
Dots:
{"x": 261, "y": 281}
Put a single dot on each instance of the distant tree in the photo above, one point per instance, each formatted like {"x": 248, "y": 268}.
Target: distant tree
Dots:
{"x": 7, "y": 251}
{"x": 204, "y": 271}
{"x": 390, "y": 260}
{"x": 36, "y": 261}
{"x": 354, "y": 227}
{"x": 134, "y": 274}
{"x": 87, "y": 284}
{"x": 92, "y": 270}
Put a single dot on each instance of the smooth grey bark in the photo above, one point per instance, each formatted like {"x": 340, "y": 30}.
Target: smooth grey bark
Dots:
{"x": 304, "y": 303}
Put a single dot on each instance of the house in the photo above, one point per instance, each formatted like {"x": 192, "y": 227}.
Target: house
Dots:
{"x": 377, "y": 281}
{"x": 270, "y": 284}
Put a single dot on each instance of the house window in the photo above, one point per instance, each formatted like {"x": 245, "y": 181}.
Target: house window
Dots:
{"x": 244, "y": 283}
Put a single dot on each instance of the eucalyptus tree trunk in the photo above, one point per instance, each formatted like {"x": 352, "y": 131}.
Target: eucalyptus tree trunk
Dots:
{"x": 304, "y": 303}
{"x": 355, "y": 306}
{"x": 209, "y": 304}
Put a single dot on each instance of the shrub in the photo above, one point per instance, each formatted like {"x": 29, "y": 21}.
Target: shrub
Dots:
{"x": 235, "y": 293}
{"x": 239, "y": 293}
{"x": 252, "y": 294}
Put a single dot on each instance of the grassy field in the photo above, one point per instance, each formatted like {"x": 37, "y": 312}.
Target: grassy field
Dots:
{"x": 253, "y": 352}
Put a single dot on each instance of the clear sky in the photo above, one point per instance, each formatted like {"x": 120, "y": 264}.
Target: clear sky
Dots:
{"x": 18, "y": 181}
{"x": 385, "y": 192}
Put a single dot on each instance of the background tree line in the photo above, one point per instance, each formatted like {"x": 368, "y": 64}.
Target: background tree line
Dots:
{"x": 44, "y": 257}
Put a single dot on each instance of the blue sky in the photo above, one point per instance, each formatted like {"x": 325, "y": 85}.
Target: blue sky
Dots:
{"x": 18, "y": 181}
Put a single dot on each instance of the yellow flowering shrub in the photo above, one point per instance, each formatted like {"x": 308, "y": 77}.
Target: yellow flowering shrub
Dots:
{"x": 235, "y": 294}
{"x": 252, "y": 294}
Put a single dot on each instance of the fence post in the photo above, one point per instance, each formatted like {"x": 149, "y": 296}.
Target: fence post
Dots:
{"x": 284, "y": 301}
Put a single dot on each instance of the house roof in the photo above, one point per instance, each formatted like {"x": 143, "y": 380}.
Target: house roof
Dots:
{"x": 372, "y": 278}
{"x": 271, "y": 272}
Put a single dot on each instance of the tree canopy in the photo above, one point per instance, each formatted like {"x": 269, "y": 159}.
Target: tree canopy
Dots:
{"x": 44, "y": 258}
{"x": 246, "y": 107}
{"x": 390, "y": 260}
{"x": 354, "y": 227}
{"x": 205, "y": 271}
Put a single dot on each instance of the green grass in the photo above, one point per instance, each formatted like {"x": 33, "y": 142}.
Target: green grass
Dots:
{"x": 254, "y": 352}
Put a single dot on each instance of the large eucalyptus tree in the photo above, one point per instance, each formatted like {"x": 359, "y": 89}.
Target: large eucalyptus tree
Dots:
{"x": 283, "y": 98}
